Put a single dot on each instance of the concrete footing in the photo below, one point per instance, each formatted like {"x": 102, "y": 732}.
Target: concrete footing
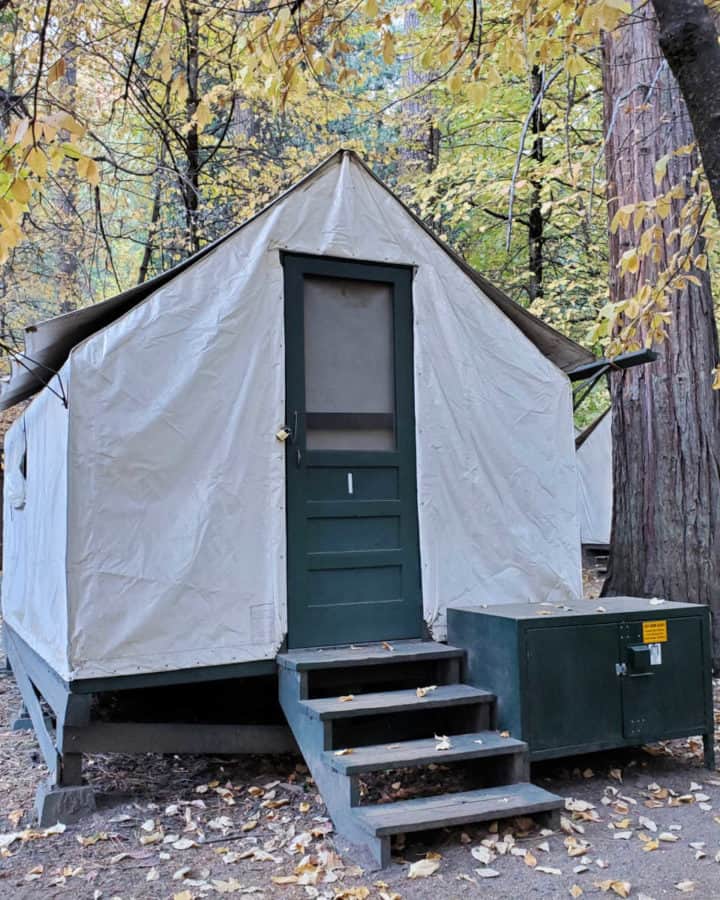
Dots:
{"x": 23, "y": 722}
{"x": 63, "y": 804}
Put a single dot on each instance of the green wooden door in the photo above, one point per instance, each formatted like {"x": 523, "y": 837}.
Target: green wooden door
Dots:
{"x": 352, "y": 534}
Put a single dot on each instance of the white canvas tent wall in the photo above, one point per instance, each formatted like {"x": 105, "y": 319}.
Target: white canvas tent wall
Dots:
{"x": 152, "y": 536}
{"x": 595, "y": 481}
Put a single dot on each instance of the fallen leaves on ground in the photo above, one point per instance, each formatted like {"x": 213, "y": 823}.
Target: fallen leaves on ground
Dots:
{"x": 424, "y": 691}
{"x": 217, "y": 826}
{"x": 30, "y": 834}
{"x": 425, "y": 867}
{"x": 484, "y": 855}
{"x": 487, "y": 872}
{"x": 621, "y": 888}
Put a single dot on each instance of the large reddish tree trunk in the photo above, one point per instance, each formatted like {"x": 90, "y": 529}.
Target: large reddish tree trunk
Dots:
{"x": 689, "y": 40}
{"x": 666, "y": 417}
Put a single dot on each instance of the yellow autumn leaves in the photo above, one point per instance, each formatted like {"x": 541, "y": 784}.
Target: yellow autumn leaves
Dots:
{"x": 279, "y": 53}
{"x": 281, "y": 50}
{"x": 659, "y": 261}
{"x": 33, "y": 149}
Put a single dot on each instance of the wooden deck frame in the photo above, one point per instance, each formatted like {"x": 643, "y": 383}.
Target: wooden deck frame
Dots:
{"x": 37, "y": 681}
{"x": 70, "y": 730}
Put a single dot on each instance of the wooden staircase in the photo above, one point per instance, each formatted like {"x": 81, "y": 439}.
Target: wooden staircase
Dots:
{"x": 366, "y": 700}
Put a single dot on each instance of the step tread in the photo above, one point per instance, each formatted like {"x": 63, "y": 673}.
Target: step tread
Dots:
{"x": 378, "y": 757}
{"x": 366, "y": 655}
{"x": 445, "y": 810}
{"x": 395, "y": 701}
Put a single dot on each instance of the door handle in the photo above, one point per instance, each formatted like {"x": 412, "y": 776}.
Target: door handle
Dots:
{"x": 621, "y": 669}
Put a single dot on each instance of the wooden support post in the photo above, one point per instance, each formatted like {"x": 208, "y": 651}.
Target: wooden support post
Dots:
{"x": 63, "y": 798}
{"x": 70, "y": 772}
{"x": 31, "y": 701}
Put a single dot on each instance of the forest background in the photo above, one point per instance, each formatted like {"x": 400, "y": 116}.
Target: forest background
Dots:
{"x": 132, "y": 132}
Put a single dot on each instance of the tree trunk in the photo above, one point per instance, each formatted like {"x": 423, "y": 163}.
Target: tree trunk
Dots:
{"x": 191, "y": 181}
{"x": 152, "y": 237}
{"x": 536, "y": 237}
{"x": 666, "y": 417}
{"x": 70, "y": 247}
{"x": 420, "y": 148}
{"x": 689, "y": 40}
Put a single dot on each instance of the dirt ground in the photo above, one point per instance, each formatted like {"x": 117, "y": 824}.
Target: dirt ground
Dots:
{"x": 642, "y": 824}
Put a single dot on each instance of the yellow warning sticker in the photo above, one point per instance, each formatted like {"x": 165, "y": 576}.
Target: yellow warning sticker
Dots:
{"x": 655, "y": 632}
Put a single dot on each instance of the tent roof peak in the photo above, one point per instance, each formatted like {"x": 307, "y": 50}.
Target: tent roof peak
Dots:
{"x": 49, "y": 343}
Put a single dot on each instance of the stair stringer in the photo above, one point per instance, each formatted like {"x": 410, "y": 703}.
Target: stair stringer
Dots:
{"x": 339, "y": 791}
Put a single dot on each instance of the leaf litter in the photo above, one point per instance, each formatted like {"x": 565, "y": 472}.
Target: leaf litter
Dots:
{"x": 242, "y": 832}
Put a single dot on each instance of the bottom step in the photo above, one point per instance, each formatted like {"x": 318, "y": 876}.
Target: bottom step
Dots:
{"x": 426, "y": 813}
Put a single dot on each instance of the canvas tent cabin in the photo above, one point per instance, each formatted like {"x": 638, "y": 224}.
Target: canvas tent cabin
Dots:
{"x": 156, "y": 512}
{"x": 595, "y": 482}
{"x": 322, "y": 429}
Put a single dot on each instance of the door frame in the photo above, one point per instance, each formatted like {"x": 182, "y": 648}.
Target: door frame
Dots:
{"x": 295, "y": 267}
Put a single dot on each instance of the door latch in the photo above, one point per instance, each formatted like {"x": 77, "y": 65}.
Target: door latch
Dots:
{"x": 283, "y": 434}
{"x": 621, "y": 669}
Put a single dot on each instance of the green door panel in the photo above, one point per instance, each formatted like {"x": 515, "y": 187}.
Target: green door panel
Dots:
{"x": 669, "y": 690}
{"x": 352, "y": 534}
{"x": 575, "y": 686}
{"x": 346, "y": 533}
{"x": 330, "y": 483}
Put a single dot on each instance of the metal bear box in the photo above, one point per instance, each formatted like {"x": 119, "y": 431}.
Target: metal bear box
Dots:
{"x": 597, "y": 674}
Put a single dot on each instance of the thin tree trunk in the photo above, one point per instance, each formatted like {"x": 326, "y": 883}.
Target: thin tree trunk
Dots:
{"x": 536, "y": 237}
{"x": 191, "y": 183}
{"x": 689, "y": 40}
{"x": 150, "y": 244}
{"x": 666, "y": 417}
{"x": 69, "y": 252}
{"x": 421, "y": 137}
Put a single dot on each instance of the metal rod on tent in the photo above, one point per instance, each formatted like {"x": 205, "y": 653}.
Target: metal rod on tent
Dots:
{"x": 585, "y": 387}
{"x": 590, "y": 373}
{"x": 623, "y": 361}
{"x": 17, "y": 354}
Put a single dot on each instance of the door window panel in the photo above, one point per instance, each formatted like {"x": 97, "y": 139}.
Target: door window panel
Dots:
{"x": 349, "y": 365}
